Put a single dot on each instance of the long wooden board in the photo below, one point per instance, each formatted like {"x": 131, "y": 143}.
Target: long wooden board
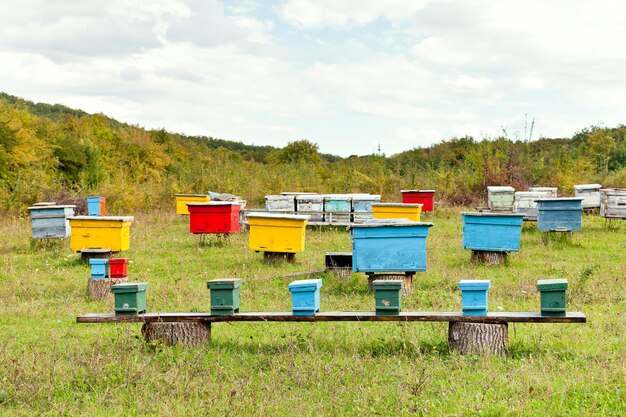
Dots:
{"x": 500, "y": 317}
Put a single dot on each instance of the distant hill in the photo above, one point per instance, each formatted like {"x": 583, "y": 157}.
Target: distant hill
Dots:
{"x": 50, "y": 149}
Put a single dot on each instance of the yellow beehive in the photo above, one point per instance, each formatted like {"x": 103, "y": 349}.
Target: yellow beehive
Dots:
{"x": 275, "y": 232}
{"x": 100, "y": 232}
{"x": 183, "y": 199}
{"x": 397, "y": 211}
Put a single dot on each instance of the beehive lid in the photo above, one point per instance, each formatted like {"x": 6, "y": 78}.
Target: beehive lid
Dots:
{"x": 96, "y": 261}
{"x": 560, "y": 199}
{"x": 500, "y": 189}
{"x": 297, "y": 193}
{"x": 275, "y": 215}
{"x": 191, "y": 195}
{"x": 545, "y": 189}
{"x": 126, "y": 287}
{"x": 614, "y": 191}
{"x": 387, "y": 284}
{"x": 224, "y": 283}
{"x": 104, "y": 218}
{"x": 366, "y": 197}
{"x": 474, "y": 284}
{"x": 390, "y": 222}
{"x": 416, "y": 205}
{"x": 214, "y": 203}
{"x": 342, "y": 197}
{"x": 49, "y": 206}
{"x": 118, "y": 260}
{"x": 279, "y": 197}
{"x": 583, "y": 187}
{"x": 310, "y": 197}
{"x": 553, "y": 284}
{"x": 305, "y": 285}
{"x": 491, "y": 214}
{"x": 417, "y": 191}
{"x": 45, "y": 203}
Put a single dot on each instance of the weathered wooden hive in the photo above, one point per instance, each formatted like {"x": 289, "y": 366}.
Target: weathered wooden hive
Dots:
{"x": 559, "y": 214}
{"x": 613, "y": 203}
{"x": 500, "y": 198}
{"x": 51, "y": 221}
{"x": 526, "y": 202}
{"x": 590, "y": 193}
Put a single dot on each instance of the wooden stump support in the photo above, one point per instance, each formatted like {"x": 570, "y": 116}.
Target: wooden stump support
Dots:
{"x": 95, "y": 253}
{"x": 277, "y": 257}
{"x": 478, "y": 338}
{"x": 407, "y": 277}
{"x": 100, "y": 288}
{"x": 489, "y": 257}
{"x": 172, "y": 333}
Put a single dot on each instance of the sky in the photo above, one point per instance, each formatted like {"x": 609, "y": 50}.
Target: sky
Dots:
{"x": 353, "y": 76}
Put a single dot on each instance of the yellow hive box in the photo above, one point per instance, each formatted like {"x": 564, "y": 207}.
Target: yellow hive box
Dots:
{"x": 99, "y": 232}
{"x": 183, "y": 199}
{"x": 397, "y": 211}
{"x": 275, "y": 232}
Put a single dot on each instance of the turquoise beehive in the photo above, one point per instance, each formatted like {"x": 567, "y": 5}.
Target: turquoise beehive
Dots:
{"x": 474, "y": 296}
{"x": 305, "y": 296}
{"x": 99, "y": 267}
{"x": 389, "y": 245}
{"x": 560, "y": 214}
{"x": 492, "y": 232}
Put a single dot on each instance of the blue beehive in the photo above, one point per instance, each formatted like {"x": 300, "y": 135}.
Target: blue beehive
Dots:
{"x": 492, "y": 232}
{"x": 50, "y": 221}
{"x": 389, "y": 245}
{"x": 95, "y": 206}
{"x": 560, "y": 214}
{"x": 338, "y": 207}
{"x": 305, "y": 296}
{"x": 474, "y": 296}
{"x": 99, "y": 267}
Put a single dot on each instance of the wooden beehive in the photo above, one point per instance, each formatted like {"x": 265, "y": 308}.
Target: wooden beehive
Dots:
{"x": 98, "y": 232}
{"x": 424, "y": 197}
{"x": 50, "y": 221}
{"x": 526, "y": 202}
{"x": 613, "y": 203}
{"x": 590, "y": 193}
{"x": 559, "y": 214}
{"x": 362, "y": 206}
{"x": 492, "y": 232}
{"x": 338, "y": 208}
{"x": 501, "y": 198}
{"x": 283, "y": 203}
{"x": 312, "y": 205}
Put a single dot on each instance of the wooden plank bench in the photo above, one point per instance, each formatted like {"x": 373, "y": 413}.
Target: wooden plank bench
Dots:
{"x": 466, "y": 334}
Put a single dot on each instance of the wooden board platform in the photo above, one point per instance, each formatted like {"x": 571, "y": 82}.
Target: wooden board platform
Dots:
{"x": 500, "y": 317}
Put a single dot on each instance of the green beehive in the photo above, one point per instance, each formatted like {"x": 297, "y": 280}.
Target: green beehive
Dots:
{"x": 224, "y": 296}
{"x": 388, "y": 296}
{"x": 130, "y": 298}
{"x": 552, "y": 296}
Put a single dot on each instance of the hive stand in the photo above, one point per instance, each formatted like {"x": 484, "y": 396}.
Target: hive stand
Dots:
{"x": 278, "y": 257}
{"x": 563, "y": 236}
{"x": 95, "y": 253}
{"x": 339, "y": 263}
{"x": 406, "y": 277}
{"x": 489, "y": 257}
{"x": 467, "y": 334}
{"x": 100, "y": 288}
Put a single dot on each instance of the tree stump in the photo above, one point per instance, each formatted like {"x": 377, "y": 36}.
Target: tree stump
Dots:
{"x": 489, "y": 258}
{"x": 278, "y": 257}
{"x": 478, "y": 338}
{"x": 407, "y": 278}
{"x": 100, "y": 288}
{"x": 183, "y": 333}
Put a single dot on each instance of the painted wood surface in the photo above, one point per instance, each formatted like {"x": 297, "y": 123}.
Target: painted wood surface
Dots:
{"x": 96, "y": 206}
{"x": 92, "y": 232}
{"x": 338, "y": 204}
{"x": 424, "y": 316}
{"x": 613, "y": 203}
{"x": 285, "y": 203}
{"x": 492, "y": 232}
{"x": 225, "y": 295}
{"x": 130, "y": 298}
{"x": 559, "y": 214}
{"x": 275, "y": 232}
{"x": 590, "y": 193}
{"x": 397, "y": 211}
{"x": 214, "y": 217}
{"x": 474, "y": 297}
{"x": 313, "y": 205}
{"x": 526, "y": 202}
{"x": 305, "y": 296}
{"x": 389, "y": 248}
{"x": 183, "y": 199}
{"x": 51, "y": 222}
{"x": 424, "y": 197}
{"x": 500, "y": 198}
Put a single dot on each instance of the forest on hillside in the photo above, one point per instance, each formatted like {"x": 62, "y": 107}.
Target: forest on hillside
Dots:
{"x": 51, "y": 150}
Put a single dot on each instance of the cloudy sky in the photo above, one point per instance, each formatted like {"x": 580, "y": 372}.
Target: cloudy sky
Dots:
{"x": 346, "y": 74}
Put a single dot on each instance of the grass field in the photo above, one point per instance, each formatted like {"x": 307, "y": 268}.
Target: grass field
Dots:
{"x": 49, "y": 365}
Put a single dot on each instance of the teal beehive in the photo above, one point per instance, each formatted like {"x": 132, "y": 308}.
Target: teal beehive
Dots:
{"x": 388, "y": 297}
{"x": 99, "y": 267}
{"x": 552, "y": 296}
{"x": 559, "y": 214}
{"x": 474, "y": 296}
{"x": 130, "y": 298}
{"x": 305, "y": 296}
{"x": 224, "y": 296}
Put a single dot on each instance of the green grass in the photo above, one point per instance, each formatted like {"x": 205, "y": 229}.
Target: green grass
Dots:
{"x": 49, "y": 365}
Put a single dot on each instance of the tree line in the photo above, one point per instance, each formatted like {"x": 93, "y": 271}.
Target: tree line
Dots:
{"x": 50, "y": 150}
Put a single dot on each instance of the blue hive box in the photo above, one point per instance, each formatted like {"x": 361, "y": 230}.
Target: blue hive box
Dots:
{"x": 95, "y": 206}
{"x": 51, "y": 221}
{"x": 305, "y": 296}
{"x": 99, "y": 267}
{"x": 474, "y": 296}
{"x": 389, "y": 245}
{"x": 560, "y": 214}
{"x": 493, "y": 232}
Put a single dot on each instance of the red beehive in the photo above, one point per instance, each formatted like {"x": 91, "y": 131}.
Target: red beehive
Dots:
{"x": 118, "y": 267}
{"x": 424, "y": 197}
{"x": 214, "y": 217}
